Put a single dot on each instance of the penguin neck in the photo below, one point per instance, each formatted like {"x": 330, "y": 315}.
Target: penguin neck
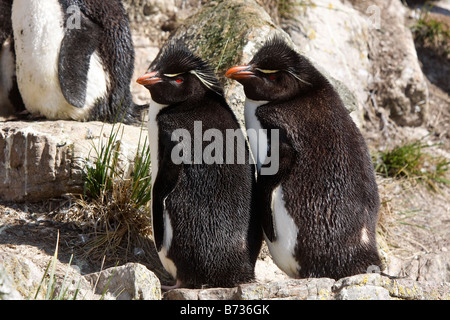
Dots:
{"x": 256, "y": 135}
{"x": 154, "y": 109}
{"x": 153, "y": 132}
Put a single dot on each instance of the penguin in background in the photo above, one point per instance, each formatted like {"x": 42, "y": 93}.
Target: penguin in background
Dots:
{"x": 10, "y": 100}
{"x": 205, "y": 226}
{"x": 75, "y": 59}
{"x": 320, "y": 210}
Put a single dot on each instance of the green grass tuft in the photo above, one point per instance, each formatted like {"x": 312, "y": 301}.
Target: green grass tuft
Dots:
{"x": 432, "y": 33}
{"x": 410, "y": 161}
{"x": 116, "y": 202}
{"x": 288, "y": 8}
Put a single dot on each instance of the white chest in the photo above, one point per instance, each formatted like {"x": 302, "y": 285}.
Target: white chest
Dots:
{"x": 153, "y": 133}
{"x": 38, "y": 33}
{"x": 257, "y": 136}
{"x": 38, "y": 27}
{"x": 153, "y": 136}
{"x": 283, "y": 249}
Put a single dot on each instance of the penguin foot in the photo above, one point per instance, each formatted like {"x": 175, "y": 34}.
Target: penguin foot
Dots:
{"x": 28, "y": 116}
{"x": 176, "y": 286}
{"x": 392, "y": 277}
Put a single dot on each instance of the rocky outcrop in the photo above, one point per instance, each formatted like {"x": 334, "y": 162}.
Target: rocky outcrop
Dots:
{"x": 365, "y": 49}
{"x": 7, "y": 288}
{"x": 131, "y": 281}
{"x": 19, "y": 279}
{"x": 367, "y": 46}
{"x": 334, "y": 36}
{"x": 228, "y": 33}
{"x": 359, "y": 287}
{"x": 45, "y": 159}
{"x": 396, "y": 78}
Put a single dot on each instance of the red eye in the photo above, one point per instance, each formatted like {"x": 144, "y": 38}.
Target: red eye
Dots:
{"x": 179, "y": 80}
{"x": 272, "y": 77}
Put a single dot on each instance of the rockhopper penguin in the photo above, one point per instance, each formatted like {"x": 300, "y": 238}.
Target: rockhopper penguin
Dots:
{"x": 205, "y": 228}
{"x": 10, "y": 99}
{"x": 75, "y": 59}
{"x": 320, "y": 210}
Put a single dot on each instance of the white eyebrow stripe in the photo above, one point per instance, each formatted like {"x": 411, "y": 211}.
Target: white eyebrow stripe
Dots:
{"x": 298, "y": 78}
{"x": 290, "y": 72}
{"x": 203, "y": 78}
{"x": 267, "y": 71}
{"x": 172, "y": 75}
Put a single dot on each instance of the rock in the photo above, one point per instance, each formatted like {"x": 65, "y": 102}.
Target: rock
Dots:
{"x": 398, "y": 81}
{"x": 24, "y": 280}
{"x": 152, "y": 18}
{"x": 145, "y": 54}
{"x": 420, "y": 290}
{"x": 358, "y": 287}
{"x": 45, "y": 159}
{"x": 201, "y": 294}
{"x": 24, "y": 275}
{"x": 266, "y": 270}
{"x": 7, "y": 290}
{"x": 335, "y": 37}
{"x": 131, "y": 281}
{"x": 292, "y": 289}
{"x": 363, "y": 293}
{"x": 227, "y": 33}
{"x": 362, "y": 287}
{"x": 430, "y": 267}
{"x": 376, "y": 287}
{"x": 20, "y": 278}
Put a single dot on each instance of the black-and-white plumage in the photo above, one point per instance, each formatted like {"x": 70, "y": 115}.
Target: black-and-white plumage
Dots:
{"x": 320, "y": 209}
{"x": 206, "y": 230}
{"x": 10, "y": 99}
{"x": 75, "y": 59}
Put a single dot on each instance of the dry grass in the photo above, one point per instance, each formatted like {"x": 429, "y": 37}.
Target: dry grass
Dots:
{"x": 411, "y": 161}
{"x": 114, "y": 211}
{"x": 432, "y": 31}
{"x": 410, "y": 217}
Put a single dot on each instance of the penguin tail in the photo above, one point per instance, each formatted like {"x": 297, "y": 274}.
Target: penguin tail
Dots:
{"x": 133, "y": 114}
{"x": 136, "y": 111}
{"x": 140, "y": 107}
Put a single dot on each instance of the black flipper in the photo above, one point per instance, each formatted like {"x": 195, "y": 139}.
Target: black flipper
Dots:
{"x": 164, "y": 184}
{"x": 6, "y": 32}
{"x": 105, "y": 27}
{"x": 75, "y": 54}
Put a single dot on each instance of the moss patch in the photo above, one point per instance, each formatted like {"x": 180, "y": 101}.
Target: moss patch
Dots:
{"x": 219, "y": 31}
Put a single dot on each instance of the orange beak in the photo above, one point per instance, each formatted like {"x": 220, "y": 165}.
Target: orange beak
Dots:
{"x": 149, "y": 79}
{"x": 240, "y": 72}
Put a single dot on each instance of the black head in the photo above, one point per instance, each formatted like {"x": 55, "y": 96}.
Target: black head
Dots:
{"x": 276, "y": 72}
{"x": 177, "y": 75}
